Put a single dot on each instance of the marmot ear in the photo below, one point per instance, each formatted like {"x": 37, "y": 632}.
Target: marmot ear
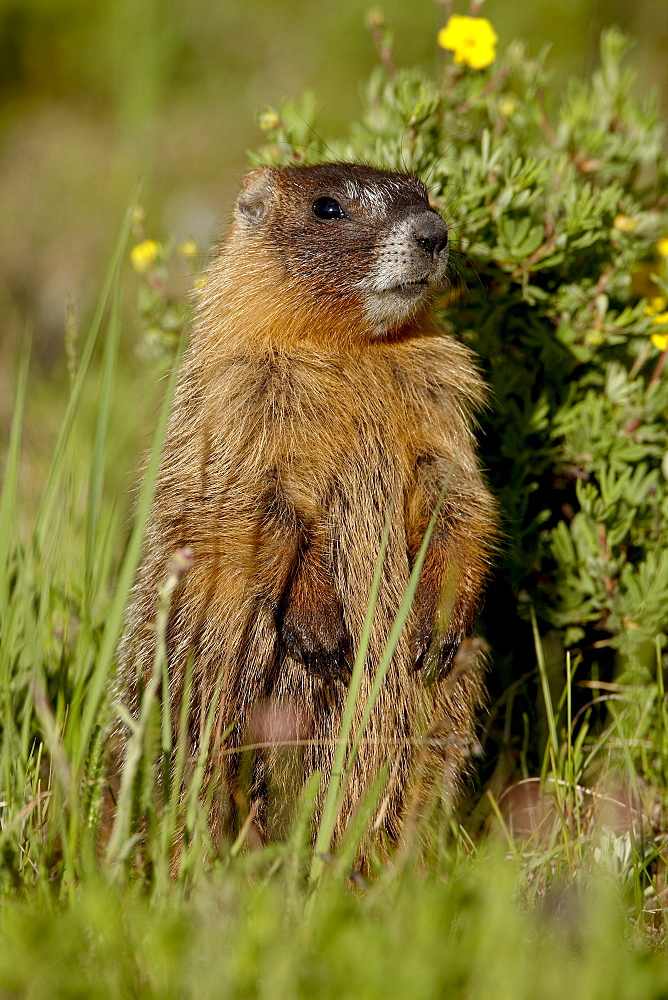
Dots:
{"x": 255, "y": 195}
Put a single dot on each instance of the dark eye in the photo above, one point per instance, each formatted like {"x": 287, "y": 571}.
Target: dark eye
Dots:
{"x": 328, "y": 208}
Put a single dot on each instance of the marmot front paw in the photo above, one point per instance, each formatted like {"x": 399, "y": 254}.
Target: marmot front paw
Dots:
{"x": 318, "y": 641}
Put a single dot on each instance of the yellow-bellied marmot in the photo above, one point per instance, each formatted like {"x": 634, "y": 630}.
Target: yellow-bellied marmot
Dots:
{"x": 316, "y": 392}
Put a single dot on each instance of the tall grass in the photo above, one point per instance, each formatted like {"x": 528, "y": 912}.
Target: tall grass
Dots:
{"x": 554, "y": 887}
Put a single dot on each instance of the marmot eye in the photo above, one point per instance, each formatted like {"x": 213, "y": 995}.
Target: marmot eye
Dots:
{"x": 327, "y": 208}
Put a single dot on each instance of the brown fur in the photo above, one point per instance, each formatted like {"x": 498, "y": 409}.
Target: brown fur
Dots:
{"x": 298, "y": 419}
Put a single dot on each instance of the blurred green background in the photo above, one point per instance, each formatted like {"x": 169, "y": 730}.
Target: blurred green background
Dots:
{"x": 94, "y": 95}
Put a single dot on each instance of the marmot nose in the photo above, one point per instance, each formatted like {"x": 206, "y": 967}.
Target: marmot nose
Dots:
{"x": 430, "y": 233}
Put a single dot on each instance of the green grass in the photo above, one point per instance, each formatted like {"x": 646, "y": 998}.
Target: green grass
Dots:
{"x": 466, "y": 908}
{"x": 249, "y": 930}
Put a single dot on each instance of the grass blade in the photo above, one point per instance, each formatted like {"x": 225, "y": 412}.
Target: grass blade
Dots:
{"x": 338, "y": 781}
{"x": 102, "y": 671}
{"x": 331, "y": 805}
{"x": 55, "y": 470}
{"x": 10, "y": 480}
{"x": 97, "y": 469}
{"x": 553, "y": 745}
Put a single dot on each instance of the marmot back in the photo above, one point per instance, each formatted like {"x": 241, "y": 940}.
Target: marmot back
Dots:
{"x": 315, "y": 396}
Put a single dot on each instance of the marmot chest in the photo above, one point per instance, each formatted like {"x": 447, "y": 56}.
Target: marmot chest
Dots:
{"x": 316, "y": 417}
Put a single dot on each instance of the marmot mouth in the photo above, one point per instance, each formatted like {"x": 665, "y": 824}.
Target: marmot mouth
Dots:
{"x": 410, "y": 288}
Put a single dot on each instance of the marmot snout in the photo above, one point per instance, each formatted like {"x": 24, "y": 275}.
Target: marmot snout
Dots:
{"x": 316, "y": 396}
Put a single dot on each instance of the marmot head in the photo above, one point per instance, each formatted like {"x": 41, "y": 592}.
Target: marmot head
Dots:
{"x": 349, "y": 237}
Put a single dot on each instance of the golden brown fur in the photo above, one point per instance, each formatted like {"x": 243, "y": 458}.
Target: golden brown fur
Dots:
{"x": 299, "y": 417}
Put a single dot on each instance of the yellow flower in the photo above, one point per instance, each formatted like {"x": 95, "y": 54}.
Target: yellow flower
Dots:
{"x": 594, "y": 338}
{"x": 655, "y": 305}
{"x": 624, "y": 223}
{"x": 189, "y": 249}
{"x": 268, "y": 120}
{"x": 144, "y": 254}
{"x": 507, "y": 106}
{"x": 655, "y": 308}
{"x": 662, "y": 247}
{"x": 472, "y": 39}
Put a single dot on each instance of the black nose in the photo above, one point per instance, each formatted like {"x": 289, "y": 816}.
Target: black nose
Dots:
{"x": 430, "y": 233}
